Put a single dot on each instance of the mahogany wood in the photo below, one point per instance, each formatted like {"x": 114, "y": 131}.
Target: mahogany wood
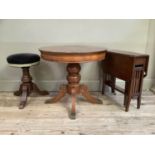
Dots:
{"x": 127, "y": 66}
{"x": 73, "y": 55}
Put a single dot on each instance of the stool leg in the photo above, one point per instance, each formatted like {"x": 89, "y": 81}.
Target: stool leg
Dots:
{"x": 38, "y": 91}
{"x": 32, "y": 87}
{"x": 27, "y": 87}
{"x": 18, "y": 92}
{"x": 26, "y": 81}
{"x": 23, "y": 98}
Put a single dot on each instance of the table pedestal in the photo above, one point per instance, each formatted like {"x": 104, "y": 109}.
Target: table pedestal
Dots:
{"x": 74, "y": 88}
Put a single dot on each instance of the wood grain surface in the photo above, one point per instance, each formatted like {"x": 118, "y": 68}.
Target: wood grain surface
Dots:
{"x": 73, "y": 54}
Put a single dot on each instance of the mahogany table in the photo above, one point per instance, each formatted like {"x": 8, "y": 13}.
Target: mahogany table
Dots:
{"x": 73, "y": 56}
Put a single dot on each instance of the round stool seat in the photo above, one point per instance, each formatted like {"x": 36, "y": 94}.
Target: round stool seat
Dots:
{"x": 23, "y": 59}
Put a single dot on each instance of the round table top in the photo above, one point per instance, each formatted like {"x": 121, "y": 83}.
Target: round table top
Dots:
{"x": 73, "y": 53}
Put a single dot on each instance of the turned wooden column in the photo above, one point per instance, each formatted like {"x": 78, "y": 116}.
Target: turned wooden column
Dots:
{"x": 27, "y": 79}
{"x": 73, "y": 87}
{"x": 73, "y": 78}
{"x": 26, "y": 82}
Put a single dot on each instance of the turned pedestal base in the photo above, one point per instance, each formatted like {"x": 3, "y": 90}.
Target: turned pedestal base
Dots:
{"x": 73, "y": 88}
{"x": 27, "y": 88}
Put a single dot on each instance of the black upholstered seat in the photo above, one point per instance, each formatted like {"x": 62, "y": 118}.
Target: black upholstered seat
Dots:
{"x": 23, "y": 58}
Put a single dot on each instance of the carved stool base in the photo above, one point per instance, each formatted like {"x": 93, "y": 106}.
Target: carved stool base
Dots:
{"x": 27, "y": 88}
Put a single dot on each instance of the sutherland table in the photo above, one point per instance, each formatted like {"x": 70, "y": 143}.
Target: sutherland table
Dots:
{"x": 73, "y": 56}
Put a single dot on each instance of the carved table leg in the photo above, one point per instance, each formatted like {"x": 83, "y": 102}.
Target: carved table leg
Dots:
{"x": 59, "y": 96}
{"x": 73, "y": 110}
{"x": 86, "y": 94}
{"x": 73, "y": 87}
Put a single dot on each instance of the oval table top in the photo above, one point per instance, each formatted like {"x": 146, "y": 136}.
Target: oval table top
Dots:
{"x": 73, "y": 53}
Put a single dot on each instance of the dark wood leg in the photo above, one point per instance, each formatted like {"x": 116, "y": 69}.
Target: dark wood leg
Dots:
{"x": 103, "y": 84}
{"x": 36, "y": 90}
{"x": 59, "y": 96}
{"x": 140, "y": 89}
{"x": 27, "y": 88}
{"x": 127, "y": 103}
{"x": 128, "y": 95}
{"x": 23, "y": 98}
{"x": 18, "y": 92}
{"x": 125, "y": 93}
{"x": 113, "y": 80}
{"x": 138, "y": 102}
{"x": 125, "y": 99}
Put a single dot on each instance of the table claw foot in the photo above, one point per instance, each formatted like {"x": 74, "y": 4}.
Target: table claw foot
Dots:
{"x": 86, "y": 94}
{"x": 98, "y": 101}
{"x": 59, "y": 96}
{"x": 72, "y": 115}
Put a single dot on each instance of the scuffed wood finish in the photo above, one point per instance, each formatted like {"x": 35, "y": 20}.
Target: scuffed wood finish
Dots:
{"x": 91, "y": 119}
{"x": 73, "y": 55}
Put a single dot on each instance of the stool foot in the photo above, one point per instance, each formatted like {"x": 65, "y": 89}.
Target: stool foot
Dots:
{"x": 17, "y": 93}
{"x": 22, "y": 105}
{"x": 33, "y": 91}
{"x": 36, "y": 90}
